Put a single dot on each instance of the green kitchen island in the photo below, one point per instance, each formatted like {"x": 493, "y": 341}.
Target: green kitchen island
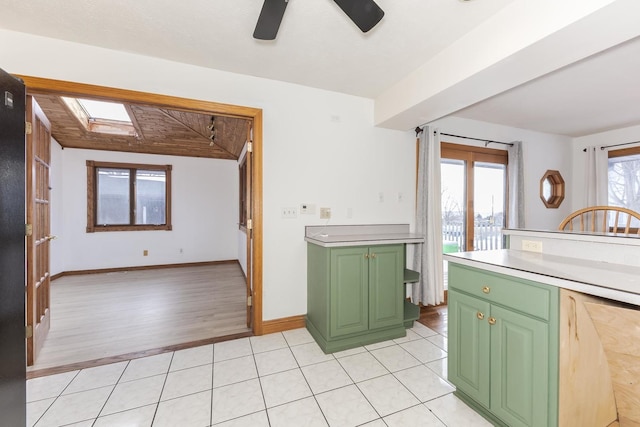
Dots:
{"x": 355, "y": 284}
{"x": 548, "y": 337}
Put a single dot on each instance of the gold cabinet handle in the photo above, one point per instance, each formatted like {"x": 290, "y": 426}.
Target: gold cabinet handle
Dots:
{"x": 486, "y": 289}
{"x": 366, "y": 256}
{"x": 373, "y": 255}
{"x": 492, "y": 320}
{"x": 480, "y": 315}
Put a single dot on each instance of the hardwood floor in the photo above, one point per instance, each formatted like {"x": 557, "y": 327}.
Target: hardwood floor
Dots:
{"x": 103, "y": 316}
{"x": 434, "y": 317}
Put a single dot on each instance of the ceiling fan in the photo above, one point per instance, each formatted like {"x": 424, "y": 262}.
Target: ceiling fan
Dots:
{"x": 364, "y": 13}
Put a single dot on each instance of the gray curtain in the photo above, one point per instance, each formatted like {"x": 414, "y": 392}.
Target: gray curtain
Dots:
{"x": 515, "y": 217}
{"x": 427, "y": 259}
{"x": 596, "y": 177}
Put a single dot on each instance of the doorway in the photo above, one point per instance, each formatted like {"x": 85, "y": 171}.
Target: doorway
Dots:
{"x": 37, "y": 86}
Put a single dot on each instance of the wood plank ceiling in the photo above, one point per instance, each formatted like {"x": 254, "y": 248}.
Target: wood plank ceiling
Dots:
{"x": 159, "y": 130}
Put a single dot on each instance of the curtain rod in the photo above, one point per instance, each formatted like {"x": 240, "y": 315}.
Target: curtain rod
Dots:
{"x": 486, "y": 141}
{"x": 615, "y": 145}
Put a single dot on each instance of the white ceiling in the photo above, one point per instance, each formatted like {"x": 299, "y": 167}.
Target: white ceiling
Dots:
{"x": 594, "y": 95}
{"x": 318, "y": 46}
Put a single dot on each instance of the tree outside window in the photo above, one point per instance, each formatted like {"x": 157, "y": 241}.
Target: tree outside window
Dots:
{"x": 624, "y": 180}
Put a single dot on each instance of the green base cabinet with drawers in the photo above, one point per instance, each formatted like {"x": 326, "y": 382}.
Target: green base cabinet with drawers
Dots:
{"x": 503, "y": 346}
{"x": 355, "y": 295}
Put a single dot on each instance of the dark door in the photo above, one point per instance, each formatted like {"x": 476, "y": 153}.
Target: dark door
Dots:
{"x": 12, "y": 251}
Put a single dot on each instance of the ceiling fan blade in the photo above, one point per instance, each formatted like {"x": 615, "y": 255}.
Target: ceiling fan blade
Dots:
{"x": 364, "y": 13}
{"x": 269, "y": 19}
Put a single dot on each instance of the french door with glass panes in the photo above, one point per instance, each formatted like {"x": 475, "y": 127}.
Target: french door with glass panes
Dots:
{"x": 473, "y": 189}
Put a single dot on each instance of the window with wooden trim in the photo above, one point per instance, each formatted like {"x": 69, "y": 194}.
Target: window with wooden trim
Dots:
{"x": 243, "y": 201}
{"x": 128, "y": 197}
{"x": 624, "y": 181}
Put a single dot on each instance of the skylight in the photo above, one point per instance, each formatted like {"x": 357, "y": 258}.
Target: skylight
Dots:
{"x": 104, "y": 110}
{"x": 101, "y": 116}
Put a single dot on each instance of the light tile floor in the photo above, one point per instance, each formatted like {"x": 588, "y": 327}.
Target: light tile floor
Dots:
{"x": 281, "y": 379}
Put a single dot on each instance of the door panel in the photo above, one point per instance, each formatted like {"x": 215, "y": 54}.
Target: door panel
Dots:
{"x": 248, "y": 174}
{"x": 386, "y": 302}
{"x": 349, "y": 291}
{"x": 469, "y": 345}
{"x": 38, "y": 158}
{"x": 519, "y": 368}
{"x": 12, "y": 252}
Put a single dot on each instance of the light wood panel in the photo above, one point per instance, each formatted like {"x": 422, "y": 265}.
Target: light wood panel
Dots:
{"x": 586, "y": 395}
{"x": 619, "y": 331}
{"x": 104, "y": 315}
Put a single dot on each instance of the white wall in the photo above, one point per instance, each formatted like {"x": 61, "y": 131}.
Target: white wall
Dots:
{"x": 204, "y": 216}
{"x": 320, "y": 147}
{"x": 617, "y": 136}
{"x": 541, "y": 152}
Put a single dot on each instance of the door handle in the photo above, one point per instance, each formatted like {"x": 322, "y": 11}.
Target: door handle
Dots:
{"x": 480, "y": 315}
{"x": 51, "y": 237}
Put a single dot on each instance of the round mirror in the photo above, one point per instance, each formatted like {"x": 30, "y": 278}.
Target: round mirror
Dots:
{"x": 552, "y": 189}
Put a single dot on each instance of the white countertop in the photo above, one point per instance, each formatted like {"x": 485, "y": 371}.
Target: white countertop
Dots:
{"x": 614, "y": 281}
{"x": 580, "y": 236}
{"x": 328, "y": 241}
{"x": 359, "y": 235}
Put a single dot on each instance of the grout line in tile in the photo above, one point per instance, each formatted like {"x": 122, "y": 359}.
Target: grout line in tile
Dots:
{"x": 166, "y": 376}
{"x": 299, "y": 367}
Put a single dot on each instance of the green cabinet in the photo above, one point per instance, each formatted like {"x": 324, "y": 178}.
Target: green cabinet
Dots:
{"x": 503, "y": 346}
{"x": 355, "y": 295}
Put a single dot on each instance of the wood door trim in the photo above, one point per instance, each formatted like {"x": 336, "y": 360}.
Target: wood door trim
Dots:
{"x": 37, "y": 85}
{"x": 129, "y": 356}
{"x": 141, "y": 267}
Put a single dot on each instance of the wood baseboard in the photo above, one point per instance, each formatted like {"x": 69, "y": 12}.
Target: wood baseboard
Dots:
{"x": 283, "y": 324}
{"x": 141, "y": 267}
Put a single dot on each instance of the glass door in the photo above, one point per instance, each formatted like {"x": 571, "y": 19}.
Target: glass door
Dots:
{"x": 453, "y": 202}
{"x": 488, "y": 205}
{"x": 473, "y": 198}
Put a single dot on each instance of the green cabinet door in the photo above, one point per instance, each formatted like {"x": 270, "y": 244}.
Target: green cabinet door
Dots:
{"x": 349, "y": 291}
{"x": 386, "y": 270}
{"x": 469, "y": 341}
{"x": 503, "y": 346}
{"x": 519, "y": 368}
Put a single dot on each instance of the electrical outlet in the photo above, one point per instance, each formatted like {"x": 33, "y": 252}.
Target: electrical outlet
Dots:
{"x": 325, "y": 213}
{"x": 289, "y": 213}
{"x": 145, "y": 252}
{"x": 180, "y": 251}
{"x": 532, "y": 246}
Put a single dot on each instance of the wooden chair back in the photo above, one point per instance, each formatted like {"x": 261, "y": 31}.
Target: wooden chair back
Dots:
{"x": 596, "y": 218}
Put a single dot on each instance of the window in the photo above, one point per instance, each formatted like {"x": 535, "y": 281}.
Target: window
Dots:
{"x": 624, "y": 180}
{"x": 126, "y": 197}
